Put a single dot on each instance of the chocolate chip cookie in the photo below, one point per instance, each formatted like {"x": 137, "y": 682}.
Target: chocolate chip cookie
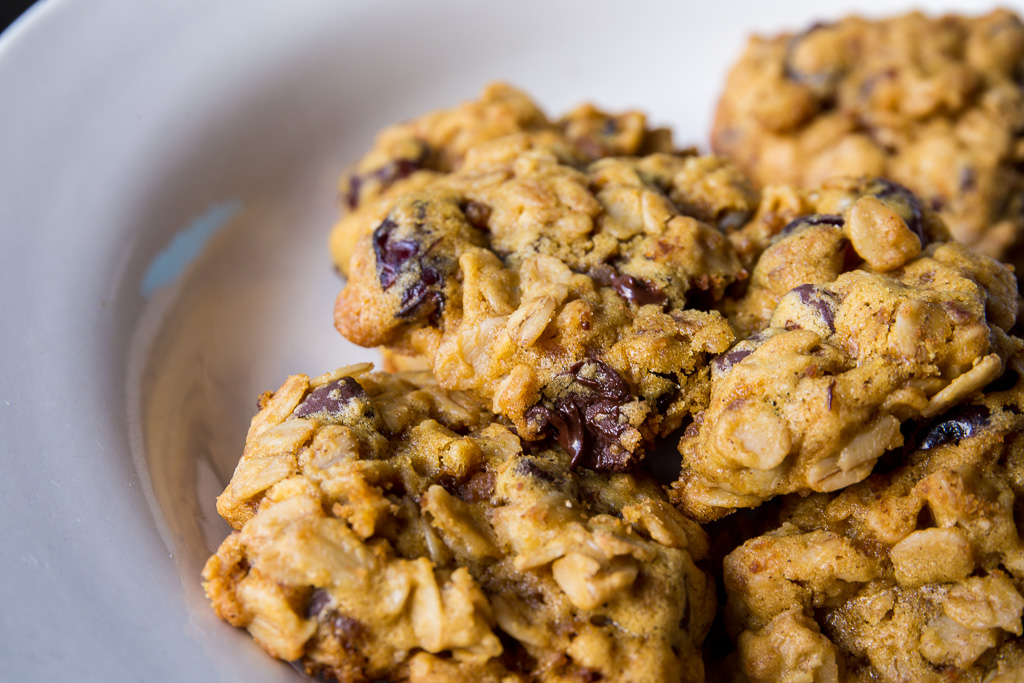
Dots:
{"x": 933, "y": 103}
{"x": 574, "y": 301}
{"x": 912, "y": 575}
{"x": 408, "y": 156}
{"x": 854, "y": 325}
{"x": 387, "y": 529}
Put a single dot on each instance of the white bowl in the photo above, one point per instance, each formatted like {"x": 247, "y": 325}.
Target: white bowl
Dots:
{"x": 168, "y": 174}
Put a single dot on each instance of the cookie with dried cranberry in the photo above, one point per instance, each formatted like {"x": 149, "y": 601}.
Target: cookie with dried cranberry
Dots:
{"x": 409, "y": 155}
{"x": 848, "y": 356}
{"x": 387, "y": 529}
{"x": 934, "y": 103}
{"x": 574, "y": 301}
{"x": 912, "y": 575}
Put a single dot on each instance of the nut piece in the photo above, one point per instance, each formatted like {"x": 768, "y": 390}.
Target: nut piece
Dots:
{"x": 589, "y": 584}
{"x": 752, "y": 435}
{"x": 932, "y": 556}
{"x": 914, "y": 574}
{"x": 790, "y": 649}
{"x": 880, "y": 235}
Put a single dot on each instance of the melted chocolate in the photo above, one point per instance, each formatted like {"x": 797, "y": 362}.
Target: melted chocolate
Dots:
{"x": 330, "y": 400}
{"x": 589, "y": 424}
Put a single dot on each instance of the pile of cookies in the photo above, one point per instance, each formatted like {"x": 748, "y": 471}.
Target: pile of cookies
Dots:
{"x": 636, "y": 395}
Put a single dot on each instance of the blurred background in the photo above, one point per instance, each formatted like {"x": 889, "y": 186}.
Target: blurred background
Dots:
{"x": 11, "y": 10}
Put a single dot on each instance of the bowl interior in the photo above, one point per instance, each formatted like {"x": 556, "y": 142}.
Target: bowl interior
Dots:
{"x": 225, "y": 284}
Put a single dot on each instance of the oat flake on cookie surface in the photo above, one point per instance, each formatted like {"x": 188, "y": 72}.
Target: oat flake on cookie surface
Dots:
{"x": 935, "y": 103}
{"x": 914, "y": 574}
{"x": 388, "y": 529}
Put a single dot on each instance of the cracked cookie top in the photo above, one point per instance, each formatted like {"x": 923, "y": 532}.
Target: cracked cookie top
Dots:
{"x": 408, "y": 156}
{"x": 933, "y": 103}
{"x": 387, "y": 529}
{"x": 916, "y": 574}
{"x": 573, "y": 300}
{"x": 852, "y": 329}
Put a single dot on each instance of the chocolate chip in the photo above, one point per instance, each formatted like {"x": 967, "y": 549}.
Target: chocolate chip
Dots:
{"x": 813, "y": 219}
{"x": 639, "y": 292}
{"x": 570, "y": 428}
{"x": 477, "y": 214}
{"x": 601, "y": 378}
{"x": 346, "y": 629}
{"x": 589, "y": 423}
{"x": 479, "y": 487}
{"x": 967, "y": 179}
{"x": 634, "y": 291}
{"x": 723, "y": 362}
{"x": 869, "y": 84}
{"x": 391, "y": 254}
{"x": 527, "y": 467}
{"x": 414, "y": 297}
{"x": 395, "y": 256}
{"x": 959, "y": 423}
{"x": 815, "y": 81}
{"x": 319, "y": 600}
{"x": 664, "y": 402}
{"x": 398, "y": 169}
{"x": 913, "y": 215}
{"x": 821, "y": 301}
{"x": 733, "y": 220}
{"x": 330, "y": 400}
{"x": 351, "y": 195}
{"x": 388, "y": 174}
{"x": 346, "y": 639}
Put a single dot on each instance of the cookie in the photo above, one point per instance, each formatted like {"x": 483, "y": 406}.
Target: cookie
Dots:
{"x": 575, "y": 302}
{"x": 867, "y": 330}
{"x": 408, "y": 156}
{"x": 802, "y": 236}
{"x": 387, "y": 529}
{"x": 912, "y": 575}
{"x": 933, "y": 103}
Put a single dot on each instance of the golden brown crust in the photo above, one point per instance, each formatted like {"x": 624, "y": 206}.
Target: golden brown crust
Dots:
{"x": 389, "y": 529}
{"x": 912, "y": 575}
{"x": 407, "y": 156}
{"x": 523, "y": 279}
{"x": 851, "y": 330}
{"x": 932, "y": 102}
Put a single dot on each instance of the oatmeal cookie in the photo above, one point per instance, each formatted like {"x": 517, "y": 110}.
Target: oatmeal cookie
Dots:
{"x": 387, "y": 529}
{"x": 408, "y": 156}
{"x": 912, "y": 575}
{"x": 802, "y": 236}
{"x": 814, "y": 399}
{"x": 573, "y": 301}
{"x": 933, "y": 103}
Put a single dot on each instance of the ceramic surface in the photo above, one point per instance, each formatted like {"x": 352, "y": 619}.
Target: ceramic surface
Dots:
{"x": 168, "y": 174}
